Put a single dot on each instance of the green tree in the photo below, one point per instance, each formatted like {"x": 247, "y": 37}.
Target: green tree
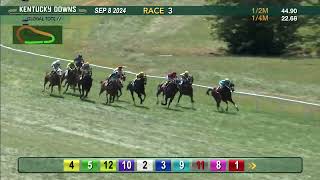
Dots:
{"x": 245, "y": 36}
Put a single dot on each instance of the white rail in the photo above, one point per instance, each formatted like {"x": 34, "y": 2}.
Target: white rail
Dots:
{"x": 160, "y": 77}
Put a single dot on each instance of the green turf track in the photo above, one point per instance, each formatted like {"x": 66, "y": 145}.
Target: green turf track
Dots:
{"x": 37, "y": 124}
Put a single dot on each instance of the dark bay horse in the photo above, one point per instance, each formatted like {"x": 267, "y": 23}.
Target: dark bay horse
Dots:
{"x": 223, "y": 94}
{"x": 72, "y": 79}
{"x": 168, "y": 92}
{"x": 122, "y": 79}
{"x": 111, "y": 89}
{"x": 54, "y": 79}
{"x": 185, "y": 88}
{"x": 138, "y": 86}
{"x": 85, "y": 85}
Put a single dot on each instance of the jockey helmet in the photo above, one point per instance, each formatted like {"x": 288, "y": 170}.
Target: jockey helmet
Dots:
{"x": 186, "y": 72}
{"x": 227, "y": 79}
{"x": 174, "y": 73}
{"x": 57, "y": 62}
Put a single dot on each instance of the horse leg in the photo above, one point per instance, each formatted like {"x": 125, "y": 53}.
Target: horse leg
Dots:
{"x": 107, "y": 98}
{"x": 132, "y": 95}
{"x": 141, "y": 100}
{"x": 171, "y": 99}
{"x": 234, "y": 104}
{"x": 59, "y": 88}
{"x": 166, "y": 101}
{"x": 227, "y": 106}
{"x": 44, "y": 84}
{"x": 158, "y": 93}
{"x": 180, "y": 95}
{"x": 66, "y": 88}
{"x": 51, "y": 88}
{"x": 118, "y": 95}
{"x": 144, "y": 96}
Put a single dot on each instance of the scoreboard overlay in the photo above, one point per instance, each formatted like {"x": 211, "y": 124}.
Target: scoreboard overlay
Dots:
{"x": 160, "y": 165}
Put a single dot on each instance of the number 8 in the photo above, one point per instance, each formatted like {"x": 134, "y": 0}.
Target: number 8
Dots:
{"x": 218, "y": 165}
{"x": 181, "y": 165}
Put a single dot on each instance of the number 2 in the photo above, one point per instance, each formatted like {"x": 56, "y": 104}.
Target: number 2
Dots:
{"x": 145, "y": 165}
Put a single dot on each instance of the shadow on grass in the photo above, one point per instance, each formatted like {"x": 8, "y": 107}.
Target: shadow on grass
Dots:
{"x": 122, "y": 101}
{"x": 89, "y": 101}
{"x": 184, "y": 107}
{"x": 141, "y": 106}
{"x": 170, "y": 109}
{"x": 114, "y": 105}
{"x": 227, "y": 112}
{"x": 56, "y": 96}
{"x": 72, "y": 94}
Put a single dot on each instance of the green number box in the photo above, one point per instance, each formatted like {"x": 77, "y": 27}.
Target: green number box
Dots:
{"x": 89, "y": 166}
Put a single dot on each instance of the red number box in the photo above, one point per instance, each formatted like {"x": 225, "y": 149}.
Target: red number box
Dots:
{"x": 236, "y": 165}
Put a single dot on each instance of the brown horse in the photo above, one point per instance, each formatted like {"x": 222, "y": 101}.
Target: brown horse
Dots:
{"x": 185, "y": 88}
{"x": 54, "y": 79}
{"x": 111, "y": 89}
{"x": 168, "y": 92}
{"x": 223, "y": 94}
{"x": 85, "y": 85}
{"x": 138, "y": 86}
{"x": 72, "y": 79}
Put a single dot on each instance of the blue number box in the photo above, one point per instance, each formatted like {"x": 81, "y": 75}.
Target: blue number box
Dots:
{"x": 163, "y": 165}
{"x": 181, "y": 166}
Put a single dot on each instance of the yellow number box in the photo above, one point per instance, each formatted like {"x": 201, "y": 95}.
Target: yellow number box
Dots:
{"x": 71, "y": 165}
{"x": 108, "y": 165}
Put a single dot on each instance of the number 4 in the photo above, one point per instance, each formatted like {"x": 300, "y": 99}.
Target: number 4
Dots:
{"x": 71, "y": 165}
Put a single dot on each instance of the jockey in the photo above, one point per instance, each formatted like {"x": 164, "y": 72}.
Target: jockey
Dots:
{"x": 70, "y": 67}
{"x": 56, "y": 67}
{"x": 224, "y": 83}
{"x": 86, "y": 69}
{"x": 184, "y": 77}
{"x": 117, "y": 74}
{"x": 140, "y": 75}
{"x": 78, "y": 61}
{"x": 170, "y": 77}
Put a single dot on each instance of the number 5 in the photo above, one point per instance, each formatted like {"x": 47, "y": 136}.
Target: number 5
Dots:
{"x": 89, "y": 164}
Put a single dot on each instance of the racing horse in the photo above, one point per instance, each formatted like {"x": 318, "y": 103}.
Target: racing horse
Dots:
{"x": 122, "y": 79}
{"x": 185, "y": 88}
{"x": 111, "y": 89}
{"x": 138, "y": 86}
{"x": 54, "y": 79}
{"x": 72, "y": 79}
{"x": 168, "y": 92}
{"x": 223, "y": 94}
{"x": 85, "y": 84}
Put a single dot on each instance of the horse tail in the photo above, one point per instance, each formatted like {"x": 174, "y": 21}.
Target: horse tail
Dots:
{"x": 102, "y": 88}
{"x": 209, "y": 90}
{"x": 129, "y": 86}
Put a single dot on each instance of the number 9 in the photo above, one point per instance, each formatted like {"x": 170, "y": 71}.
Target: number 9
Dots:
{"x": 181, "y": 165}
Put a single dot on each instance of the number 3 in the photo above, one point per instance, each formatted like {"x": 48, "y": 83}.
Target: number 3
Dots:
{"x": 163, "y": 165}
{"x": 170, "y": 10}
